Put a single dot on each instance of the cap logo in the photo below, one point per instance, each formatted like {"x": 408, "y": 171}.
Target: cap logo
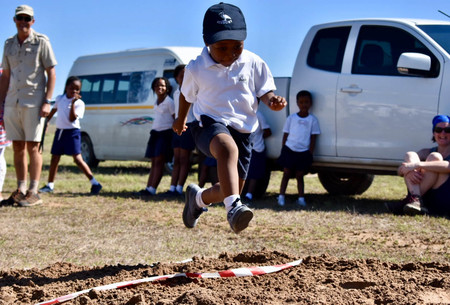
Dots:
{"x": 225, "y": 19}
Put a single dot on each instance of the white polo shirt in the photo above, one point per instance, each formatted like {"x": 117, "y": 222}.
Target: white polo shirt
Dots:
{"x": 64, "y": 105}
{"x": 227, "y": 94}
{"x": 300, "y": 131}
{"x": 164, "y": 115}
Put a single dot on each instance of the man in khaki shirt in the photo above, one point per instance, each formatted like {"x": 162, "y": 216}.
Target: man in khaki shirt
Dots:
{"x": 26, "y": 91}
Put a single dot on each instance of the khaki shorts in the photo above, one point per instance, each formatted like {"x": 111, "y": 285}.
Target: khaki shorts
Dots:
{"x": 23, "y": 123}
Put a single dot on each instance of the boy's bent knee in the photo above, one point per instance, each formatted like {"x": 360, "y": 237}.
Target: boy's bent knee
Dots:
{"x": 223, "y": 146}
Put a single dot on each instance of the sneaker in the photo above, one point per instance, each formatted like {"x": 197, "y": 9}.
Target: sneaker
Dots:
{"x": 301, "y": 202}
{"x": 96, "y": 188}
{"x": 143, "y": 193}
{"x": 239, "y": 217}
{"x": 30, "y": 200}
{"x": 397, "y": 207}
{"x": 170, "y": 194}
{"x": 45, "y": 189}
{"x": 281, "y": 201}
{"x": 191, "y": 211}
{"x": 415, "y": 208}
{"x": 16, "y": 196}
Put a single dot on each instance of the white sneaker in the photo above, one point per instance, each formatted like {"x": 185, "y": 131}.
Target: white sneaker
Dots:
{"x": 280, "y": 200}
{"x": 301, "y": 202}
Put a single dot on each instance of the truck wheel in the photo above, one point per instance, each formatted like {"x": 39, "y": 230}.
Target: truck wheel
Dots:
{"x": 340, "y": 183}
{"x": 87, "y": 151}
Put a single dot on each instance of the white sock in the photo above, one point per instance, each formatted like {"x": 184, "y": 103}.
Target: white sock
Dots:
{"x": 179, "y": 189}
{"x": 228, "y": 201}
{"x": 22, "y": 186}
{"x": 34, "y": 185}
{"x": 172, "y": 188}
{"x": 51, "y": 185}
{"x": 93, "y": 181}
{"x": 199, "y": 200}
{"x": 151, "y": 189}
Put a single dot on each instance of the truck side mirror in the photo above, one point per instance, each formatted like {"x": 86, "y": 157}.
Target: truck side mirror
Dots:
{"x": 415, "y": 64}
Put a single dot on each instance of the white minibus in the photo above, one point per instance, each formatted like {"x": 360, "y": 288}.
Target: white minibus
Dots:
{"x": 116, "y": 88}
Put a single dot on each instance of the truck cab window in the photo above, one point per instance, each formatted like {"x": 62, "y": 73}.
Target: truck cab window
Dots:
{"x": 378, "y": 49}
{"x": 327, "y": 49}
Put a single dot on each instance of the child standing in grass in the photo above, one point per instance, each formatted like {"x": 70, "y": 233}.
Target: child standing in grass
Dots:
{"x": 223, "y": 85}
{"x": 299, "y": 140}
{"x": 67, "y": 140}
{"x": 159, "y": 146}
{"x": 183, "y": 145}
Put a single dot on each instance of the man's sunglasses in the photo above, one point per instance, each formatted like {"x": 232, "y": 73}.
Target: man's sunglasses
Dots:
{"x": 25, "y": 18}
{"x": 440, "y": 129}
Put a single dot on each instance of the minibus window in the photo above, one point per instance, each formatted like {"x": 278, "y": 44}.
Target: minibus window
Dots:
{"x": 117, "y": 88}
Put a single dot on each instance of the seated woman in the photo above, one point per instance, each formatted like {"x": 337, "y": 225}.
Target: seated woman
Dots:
{"x": 426, "y": 175}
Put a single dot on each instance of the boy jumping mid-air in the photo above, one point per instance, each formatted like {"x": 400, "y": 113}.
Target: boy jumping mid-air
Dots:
{"x": 223, "y": 84}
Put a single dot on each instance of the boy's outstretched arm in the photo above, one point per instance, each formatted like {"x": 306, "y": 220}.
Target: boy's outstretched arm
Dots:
{"x": 179, "y": 125}
{"x": 275, "y": 102}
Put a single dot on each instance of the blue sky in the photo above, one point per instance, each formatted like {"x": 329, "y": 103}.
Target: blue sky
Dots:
{"x": 275, "y": 28}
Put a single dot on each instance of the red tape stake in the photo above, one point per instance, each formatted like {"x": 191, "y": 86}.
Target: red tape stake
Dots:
{"x": 239, "y": 272}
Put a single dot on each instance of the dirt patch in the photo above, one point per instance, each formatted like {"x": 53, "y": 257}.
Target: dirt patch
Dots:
{"x": 320, "y": 280}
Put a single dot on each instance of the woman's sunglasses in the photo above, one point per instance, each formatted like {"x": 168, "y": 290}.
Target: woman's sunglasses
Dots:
{"x": 440, "y": 129}
{"x": 25, "y": 18}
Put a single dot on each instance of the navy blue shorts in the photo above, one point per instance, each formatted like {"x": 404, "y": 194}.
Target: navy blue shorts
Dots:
{"x": 257, "y": 169}
{"x": 66, "y": 142}
{"x": 185, "y": 141}
{"x": 298, "y": 161}
{"x": 160, "y": 143}
{"x": 204, "y": 135}
{"x": 437, "y": 201}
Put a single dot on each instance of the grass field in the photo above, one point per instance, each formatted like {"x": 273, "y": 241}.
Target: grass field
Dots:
{"x": 116, "y": 227}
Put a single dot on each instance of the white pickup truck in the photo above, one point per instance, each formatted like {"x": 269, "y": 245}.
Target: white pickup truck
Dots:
{"x": 376, "y": 85}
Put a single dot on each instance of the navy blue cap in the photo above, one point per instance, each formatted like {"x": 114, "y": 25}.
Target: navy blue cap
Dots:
{"x": 224, "y": 21}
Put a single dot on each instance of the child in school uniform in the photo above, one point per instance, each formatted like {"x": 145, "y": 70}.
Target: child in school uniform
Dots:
{"x": 223, "y": 85}
{"x": 257, "y": 169}
{"x": 299, "y": 140}
{"x": 67, "y": 140}
{"x": 159, "y": 146}
{"x": 183, "y": 145}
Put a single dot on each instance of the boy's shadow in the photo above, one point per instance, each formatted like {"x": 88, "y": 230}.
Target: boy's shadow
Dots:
{"x": 325, "y": 203}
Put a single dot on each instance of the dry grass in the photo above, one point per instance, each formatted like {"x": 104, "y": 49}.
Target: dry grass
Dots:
{"x": 115, "y": 227}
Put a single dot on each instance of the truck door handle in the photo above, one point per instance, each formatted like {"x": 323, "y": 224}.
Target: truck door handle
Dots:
{"x": 351, "y": 90}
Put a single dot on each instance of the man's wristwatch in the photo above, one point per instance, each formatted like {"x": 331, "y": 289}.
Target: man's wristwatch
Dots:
{"x": 47, "y": 101}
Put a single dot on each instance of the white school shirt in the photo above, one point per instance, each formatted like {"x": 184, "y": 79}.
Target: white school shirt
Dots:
{"x": 176, "y": 100}
{"x": 227, "y": 94}
{"x": 258, "y": 143}
{"x": 63, "y": 105}
{"x": 300, "y": 131}
{"x": 163, "y": 115}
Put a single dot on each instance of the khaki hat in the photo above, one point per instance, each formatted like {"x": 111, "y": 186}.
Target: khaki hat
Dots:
{"x": 25, "y": 9}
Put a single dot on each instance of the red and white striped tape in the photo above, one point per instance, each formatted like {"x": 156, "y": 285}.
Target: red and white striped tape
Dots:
{"x": 239, "y": 272}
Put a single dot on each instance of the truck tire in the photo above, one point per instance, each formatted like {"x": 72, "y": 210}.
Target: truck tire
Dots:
{"x": 341, "y": 183}
{"x": 87, "y": 151}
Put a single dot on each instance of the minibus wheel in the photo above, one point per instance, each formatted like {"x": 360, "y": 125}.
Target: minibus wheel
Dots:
{"x": 87, "y": 151}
